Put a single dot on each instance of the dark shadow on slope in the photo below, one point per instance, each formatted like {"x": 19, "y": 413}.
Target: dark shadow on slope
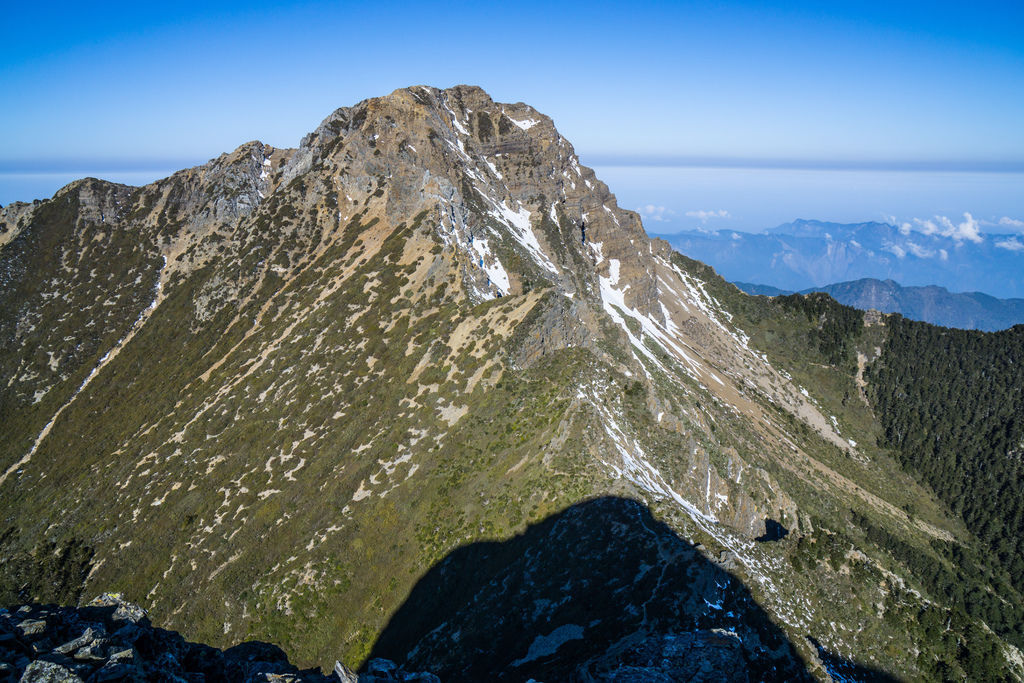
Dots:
{"x": 596, "y": 592}
{"x": 773, "y": 531}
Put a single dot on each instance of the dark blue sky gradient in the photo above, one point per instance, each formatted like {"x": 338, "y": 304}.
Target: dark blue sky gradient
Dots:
{"x": 134, "y": 83}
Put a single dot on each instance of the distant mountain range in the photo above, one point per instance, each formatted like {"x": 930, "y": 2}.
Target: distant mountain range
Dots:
{"x": 802, "y": 254}
{"x": 933, "y": 304}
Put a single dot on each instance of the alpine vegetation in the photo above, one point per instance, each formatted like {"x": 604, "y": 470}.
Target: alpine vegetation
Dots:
{"x": 419, "y": 390}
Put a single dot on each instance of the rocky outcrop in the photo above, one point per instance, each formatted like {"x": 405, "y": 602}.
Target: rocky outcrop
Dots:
{"x": 111, "y": 639}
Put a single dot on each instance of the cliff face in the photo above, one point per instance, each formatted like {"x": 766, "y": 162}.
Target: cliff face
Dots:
{"x": 293, "y": 381}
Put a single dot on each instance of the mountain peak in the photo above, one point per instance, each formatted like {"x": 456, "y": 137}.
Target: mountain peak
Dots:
{"x": 427, "y": 348}
{"x": 493, "y": 178}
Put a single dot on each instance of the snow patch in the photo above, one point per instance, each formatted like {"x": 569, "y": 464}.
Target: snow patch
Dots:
{"x": 494, "y": 169}
{"x": 614, "y": 302}
{"x": 524, "y": 125}
{"x": 522, "y": 231}
{"x": 455, "y": 121}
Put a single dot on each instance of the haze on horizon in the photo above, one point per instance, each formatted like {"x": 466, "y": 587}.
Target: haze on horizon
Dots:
{"x": 132, "y": 92}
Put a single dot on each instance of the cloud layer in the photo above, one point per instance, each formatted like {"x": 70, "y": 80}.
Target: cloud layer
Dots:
{"x": 652, "y": 212}
{"x": 704, "y": 216}
{"x": 968, "y": 229}
{"x": 1011, "y": 244}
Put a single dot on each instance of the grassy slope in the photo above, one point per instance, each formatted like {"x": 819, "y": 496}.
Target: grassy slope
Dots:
{"x": 227, "y": 447}
{"x": 793, "y": 339}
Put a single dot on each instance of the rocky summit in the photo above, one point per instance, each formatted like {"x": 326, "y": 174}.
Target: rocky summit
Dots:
{"x": 419, "y": 391}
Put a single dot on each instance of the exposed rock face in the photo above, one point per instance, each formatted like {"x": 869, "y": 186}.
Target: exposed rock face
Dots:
{"x": 113, "y": 640}
{"x": 303, "y": 379}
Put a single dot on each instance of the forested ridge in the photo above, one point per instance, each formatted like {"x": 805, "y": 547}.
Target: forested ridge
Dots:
{"x": 837, "y": 325}
{"x": 951, "y": 405}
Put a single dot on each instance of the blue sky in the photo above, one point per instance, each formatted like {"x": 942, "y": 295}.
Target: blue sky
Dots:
{"x": 858, "y": 81}
{"x": 135, "y": 86}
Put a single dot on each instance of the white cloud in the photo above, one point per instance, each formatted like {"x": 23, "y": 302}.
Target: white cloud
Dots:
{"x": 966, "y": 230}
{"x": 1012, "y": 244}
{"x": 652, "y": 212}
{"x": 1011, "y": 222}
{"x": 895, "y": 249}
{"x": 923, "y": 226}
{"x": 919, "y": 251}
{"x": 705, "y": 215}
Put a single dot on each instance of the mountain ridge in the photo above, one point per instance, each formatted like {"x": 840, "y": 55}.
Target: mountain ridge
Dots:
{"x": 433, "y": 321}
{"x": 802, "y": 254}
{"x": 933, "y": 303}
